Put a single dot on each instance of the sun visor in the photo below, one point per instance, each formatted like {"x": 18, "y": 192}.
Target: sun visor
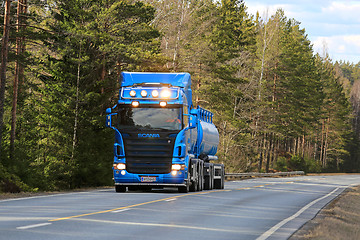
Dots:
{"x": 175, "y": 79}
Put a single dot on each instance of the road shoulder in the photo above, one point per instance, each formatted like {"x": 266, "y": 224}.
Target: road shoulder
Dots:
{"x": 338, "y": 220}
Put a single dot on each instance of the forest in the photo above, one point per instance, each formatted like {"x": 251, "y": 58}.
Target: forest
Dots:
{"x": 278, "y": 105}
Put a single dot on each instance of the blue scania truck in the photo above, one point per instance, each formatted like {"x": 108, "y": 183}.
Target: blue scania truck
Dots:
{"x": 161, "y": 139}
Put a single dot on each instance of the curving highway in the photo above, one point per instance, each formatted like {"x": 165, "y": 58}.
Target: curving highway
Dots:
{"x": 262, "y": 208}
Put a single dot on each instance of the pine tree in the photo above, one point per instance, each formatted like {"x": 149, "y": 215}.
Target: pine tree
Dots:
{"x": 93, "y": 42}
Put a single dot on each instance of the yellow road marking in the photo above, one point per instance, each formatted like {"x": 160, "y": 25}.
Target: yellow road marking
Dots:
{"x": 145, "y": 203}
{"x": 115, "y": 209}
{"x": 131, "y": 206}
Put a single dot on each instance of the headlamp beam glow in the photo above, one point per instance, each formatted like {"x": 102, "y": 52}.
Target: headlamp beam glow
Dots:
{"x": 165, "y": 93}
{"x": 177, "y": 167}
{"x": 120, "y": 166}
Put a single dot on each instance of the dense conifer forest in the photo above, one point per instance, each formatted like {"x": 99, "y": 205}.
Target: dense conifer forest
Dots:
{"x": 279, "y": 106}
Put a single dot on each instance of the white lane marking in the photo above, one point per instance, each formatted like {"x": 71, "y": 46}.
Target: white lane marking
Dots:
{"x": 33, "y": 226}
{"x": 269, "y": 232}
{"x": 121, "y": 210}
{"x": 165, "y": 225}
{"x": 43, "y": 196}
{"x": 171, "y": 199}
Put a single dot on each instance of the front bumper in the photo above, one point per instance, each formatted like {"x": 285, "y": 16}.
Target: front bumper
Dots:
{"x": 122, "y": 177}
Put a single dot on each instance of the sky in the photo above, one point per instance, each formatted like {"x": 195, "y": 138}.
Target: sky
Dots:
{"x": 334, "y": 24}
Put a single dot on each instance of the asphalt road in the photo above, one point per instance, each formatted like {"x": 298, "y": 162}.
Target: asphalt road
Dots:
{"x": 263, "y": 208}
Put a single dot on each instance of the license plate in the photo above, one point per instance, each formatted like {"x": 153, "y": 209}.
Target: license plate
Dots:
{"x": 148, "y": 179}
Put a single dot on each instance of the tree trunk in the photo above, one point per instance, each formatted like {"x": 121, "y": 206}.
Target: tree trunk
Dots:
{"x": 270, "y": 143}
{"x": 4, "y": 56}
{"x": 262, "y": 62}
{"x": 76, "y": 107}
{"x": 19, "y": 71}
{"x": 322, "y": 142}
{"x": 262, "y": 151}
{"x": 326, "y": 144}
{"x": 303, "y": 146}
{"x": 178, "y": 35}
{"x": 103, "y": 74}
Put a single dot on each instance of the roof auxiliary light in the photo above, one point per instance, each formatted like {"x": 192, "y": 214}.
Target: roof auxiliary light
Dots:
{"x": 155, "y": 93}
{"x": 132, "y": 93}
{"x": 165, "y": 93}
{"x": 143, "y": 93}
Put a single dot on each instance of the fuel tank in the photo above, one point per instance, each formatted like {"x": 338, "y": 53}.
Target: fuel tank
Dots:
{"x": 208, "y": 138}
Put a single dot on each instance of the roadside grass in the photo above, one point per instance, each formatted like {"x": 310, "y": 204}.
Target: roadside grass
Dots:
{"x": 339, "y": 220}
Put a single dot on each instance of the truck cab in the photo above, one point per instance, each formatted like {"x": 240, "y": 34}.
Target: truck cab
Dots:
{"x": 161, "y": 140}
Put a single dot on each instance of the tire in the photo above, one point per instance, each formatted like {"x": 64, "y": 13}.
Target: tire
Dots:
{"x": 184, "y": 189}
{"x": 193, "y": 186}
{"x": 209, "y": 179}
{"x": 207, "y": 183}
{"x": 217, "y": 184}
{"x": 194, "y": 175}
{"x": 223, "y": 179}
{"x": 201, "y": 177}
{"x": 119, "y": 188}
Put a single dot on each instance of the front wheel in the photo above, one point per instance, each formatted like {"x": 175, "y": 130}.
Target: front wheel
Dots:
{"x": 184, "y": 189}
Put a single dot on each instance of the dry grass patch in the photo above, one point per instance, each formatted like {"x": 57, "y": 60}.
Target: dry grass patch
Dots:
{"x": 339, "y": 220}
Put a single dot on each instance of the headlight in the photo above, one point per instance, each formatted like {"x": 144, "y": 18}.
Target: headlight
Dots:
{"x": 165, "y": 93}
{"x": 135, "y": 104}
{"x": 163, "y": 104}
{"x": 120, "y": 166}
{"x": 143, "y": 93}
{"x": 177, "y": 167}
{"x": 132, "y": 93}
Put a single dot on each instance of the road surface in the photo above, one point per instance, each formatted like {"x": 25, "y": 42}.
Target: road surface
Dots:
{"x": 262, "y": 208}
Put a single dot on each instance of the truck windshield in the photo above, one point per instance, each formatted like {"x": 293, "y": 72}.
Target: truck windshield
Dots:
{"x": 148, "y": 118}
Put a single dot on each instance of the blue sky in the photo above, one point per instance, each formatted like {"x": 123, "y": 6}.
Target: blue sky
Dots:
{"x": 331, "y": 23}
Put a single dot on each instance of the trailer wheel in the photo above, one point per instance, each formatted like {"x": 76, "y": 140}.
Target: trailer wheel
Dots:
{"x": 219, "y": 183}
{"x": 201, "y": 176}
{"x": 209, "y": 180}
{"x": 119, "y": 188}
{"x": 207, "y": 183}
{"x": 223, "y": 179}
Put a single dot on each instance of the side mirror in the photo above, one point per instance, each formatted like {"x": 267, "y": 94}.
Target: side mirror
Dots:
{"x": 108, "y": 110}
{"x": 108, "y": 120}
{"x": 194, "y": 111}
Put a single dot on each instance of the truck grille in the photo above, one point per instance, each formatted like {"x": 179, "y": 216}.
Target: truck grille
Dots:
{"x": 149, "y": 155}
